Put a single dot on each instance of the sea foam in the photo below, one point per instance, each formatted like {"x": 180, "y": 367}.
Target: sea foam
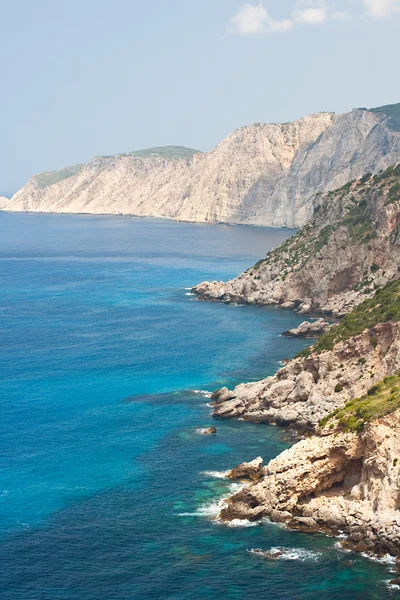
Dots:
{"x": 282, "y": 553}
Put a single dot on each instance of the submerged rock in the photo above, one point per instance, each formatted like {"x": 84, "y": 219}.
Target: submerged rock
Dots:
{"x": 209, "y": 431}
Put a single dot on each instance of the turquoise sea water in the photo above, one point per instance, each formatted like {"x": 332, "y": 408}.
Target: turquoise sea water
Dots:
{"x": 107, "y": 491}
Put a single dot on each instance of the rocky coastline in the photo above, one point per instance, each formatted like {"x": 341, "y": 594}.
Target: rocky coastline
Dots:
{"x": 261, "y": 174}
{"x": 344, "y": 391}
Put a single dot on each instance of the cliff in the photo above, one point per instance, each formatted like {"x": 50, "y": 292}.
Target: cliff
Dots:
{"x": 350, "y": 248}
{"x": 260, "y": 174}
{"x": 343, "y": 481}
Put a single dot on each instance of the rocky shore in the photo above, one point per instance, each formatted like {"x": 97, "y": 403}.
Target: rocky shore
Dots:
{"x": 333, "y": 482}
{"x": 308, "y": 330}
{"x": 344, "y": 391}
{"x": 309, "y": 388}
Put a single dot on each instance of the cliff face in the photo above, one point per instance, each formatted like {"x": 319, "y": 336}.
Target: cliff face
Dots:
{"x": 261, "y": 174}
{"x": 349, "y": 248}
{"x": 343, "y": 481}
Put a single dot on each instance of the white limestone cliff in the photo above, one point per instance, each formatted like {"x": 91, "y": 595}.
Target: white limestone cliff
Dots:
{"x": 260, "y": 174}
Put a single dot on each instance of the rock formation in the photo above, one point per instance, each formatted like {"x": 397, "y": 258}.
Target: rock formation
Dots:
{"x": 309, "y": 388}
{"x": 347, "y": 481}
{"x": 350, "y": 248}
{"x": 308, "y": 330}
{"x": 251, "y": 470}
{"x": 260, "y": 174}
{"x": 345, "y": 389}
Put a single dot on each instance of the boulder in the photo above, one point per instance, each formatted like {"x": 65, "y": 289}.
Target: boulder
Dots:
{"x": 250, "y": 470}
{"x": 307, "y": 329}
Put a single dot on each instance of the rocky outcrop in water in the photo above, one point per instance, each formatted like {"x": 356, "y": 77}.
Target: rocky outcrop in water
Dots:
{"x": 308, "y": 330}
{"x": 348, "y": 481}
{"x": 260, "y": 174}
{"x": 346, "y": 390}
{"x": 349, "y": 249}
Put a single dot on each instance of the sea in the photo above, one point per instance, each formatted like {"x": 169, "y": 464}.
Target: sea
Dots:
{"x": 108, "y": 489}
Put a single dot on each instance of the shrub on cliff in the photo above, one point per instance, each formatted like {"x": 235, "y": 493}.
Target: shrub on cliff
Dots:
{"x": 384, "y": 306}
{"x": 382, "y": 399}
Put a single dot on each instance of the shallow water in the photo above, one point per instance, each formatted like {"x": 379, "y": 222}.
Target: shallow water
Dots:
{"x": 107, "y": 490}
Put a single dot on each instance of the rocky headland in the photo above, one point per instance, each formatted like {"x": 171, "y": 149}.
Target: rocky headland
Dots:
{"x": 342, "y": 481}
{"x": 349, "y": 249}
{"x": 262, "y": 174}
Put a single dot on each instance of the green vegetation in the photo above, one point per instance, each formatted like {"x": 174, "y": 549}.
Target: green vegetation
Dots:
{"x": 382, "y": 399}
{"x": 338, "y": 388}
{"x": 168, "y": 152}
{"x": 384, "y": 306}
{"x": 358, "y": 223}
{"x": 392, "y": 111}
{"x": 50, "y": 177}
{"x": 390, "y": 172}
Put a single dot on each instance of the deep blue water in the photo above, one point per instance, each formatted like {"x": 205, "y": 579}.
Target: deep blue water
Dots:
{"x": 105, "y": 485}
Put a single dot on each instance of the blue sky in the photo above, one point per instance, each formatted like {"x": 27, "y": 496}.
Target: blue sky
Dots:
{"x": 89, "y": 77}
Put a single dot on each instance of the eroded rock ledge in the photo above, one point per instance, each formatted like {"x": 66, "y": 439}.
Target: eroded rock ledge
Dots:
{"x": 338, "y": 481}
{"x": 308, "y": 329}
{"x": 309, "y": 388}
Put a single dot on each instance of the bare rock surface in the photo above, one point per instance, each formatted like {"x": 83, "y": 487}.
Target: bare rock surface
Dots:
{"x": 250, "y": 470}
{"x": 340, "y": 481}
{"x": 260, "y": 174}
{"x": 308, "y": 330}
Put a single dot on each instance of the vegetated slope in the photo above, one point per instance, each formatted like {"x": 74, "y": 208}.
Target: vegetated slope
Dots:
{"x": 392, "y": 111}
{"x": 350, "y": 248}
{"x": 260, "y": 174}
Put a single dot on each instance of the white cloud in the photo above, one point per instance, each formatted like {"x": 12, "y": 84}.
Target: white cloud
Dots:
{"x": 379, "y": 9}
{"x": 311, "y": 15}
{"x": 255, "y": 19}
{"x": 250, "y": 19}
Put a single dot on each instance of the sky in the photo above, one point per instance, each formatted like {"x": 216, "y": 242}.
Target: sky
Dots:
{"x": 82, "y": 78}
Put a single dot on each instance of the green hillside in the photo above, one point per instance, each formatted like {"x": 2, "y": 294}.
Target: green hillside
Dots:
{"x": 163, "y": 152}
{"x": 393, "y": 112}
{"x": 50, "y": 177}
